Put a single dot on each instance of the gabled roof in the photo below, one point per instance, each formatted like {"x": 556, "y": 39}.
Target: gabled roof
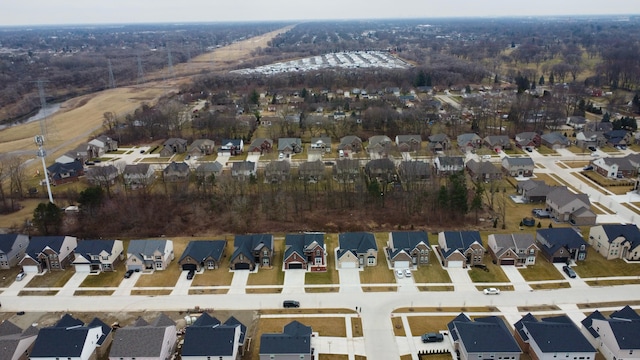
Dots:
{"x": 468, "y": 137}
{"x": 259, "y": 141}
{"x": 203, "y": 249}
{"x": 451, "y": 161}
{"x": 299, "y": 243}
{"x": 140, "y": 339}
{"x": 310, "y": 166}
{"x": 231, "y": 142}
{"x": 180, "y": 167}
{"x": 284, "y": 143}
{"x": 556, "y": 334}
{"x": 146, "y": 247}
{"x": 206, "y": 320}
{"x": 39, "y": 243}
{"x": 7, "y": 241}
{"x": 626, "y": 313}
{"x": 408, "y": 138}
{"x": 232, "y": 321}
{"x": 94, "y": 247}
{"x": 141, "y": 168}
{"x": 460, "y": 241}
{"x": 517, "y": 241}
{"x": 586, "y": 322}
{"x": 360, "y": 242}
{"x": 210, "y": 340}
{"x": 408, "y": 240}
{"x": 379, "y": 139}
{"x": 163, "y": 321}
{"x": 68, "y": 321}
{"x": 209, "y": 167}
{"x": 560, "y": 237}
{"x": 66, "y": 339}
{"x": 174, "y": 141}
{"x": 484, "y": 335}
{"x": 9, "y": 328}
{"x": 295, "y": 339}
{"x": 71, "y": 167}
{"x": 197, "y": 144}
{"x": 518, "y": 161}
{"x": 384, "y": 164}
{"x": 247, "y": 244}
{"x": 243, "y": 166}
{"x": 555, "y": 138}
{"x": 482, "y": 167}
{"x": 563, "y": 196}
{"x": 349, "y": 139}
{"x": 438, "y": 138}
{"x": 106, "y": 329}
{"x": 414, "y": 168}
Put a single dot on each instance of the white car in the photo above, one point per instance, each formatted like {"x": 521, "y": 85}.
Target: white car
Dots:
{"x": 399, "y": 273}
{"x": 407, "y": 273}
{"x": 491, "y": 291}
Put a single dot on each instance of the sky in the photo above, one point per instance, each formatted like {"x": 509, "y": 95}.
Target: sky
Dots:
{"x": 63, "y": 12}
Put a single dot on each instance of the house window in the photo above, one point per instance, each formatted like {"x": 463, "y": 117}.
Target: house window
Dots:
{"x": 265, "y": 252}
{"x": 318, "y": 252}
{"x": 159, "y": 265}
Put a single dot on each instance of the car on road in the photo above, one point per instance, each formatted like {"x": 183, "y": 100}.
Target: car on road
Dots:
{"x": 20, "y": 276}
{"x": 290, "y": 304}
{"x": 399, "y": 274}
{"x": 142, "y": 151}
{"x": 407, "y": 273}
{"x": 569, "y": 271}
{"x": 190, "y": 274}
{"x": 128, "y": 274}
{"x": 491, "y": 291}
{"x": 431, "y": 337}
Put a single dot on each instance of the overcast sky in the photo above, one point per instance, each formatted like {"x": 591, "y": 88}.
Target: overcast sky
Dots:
{"x": 35, "y": 12}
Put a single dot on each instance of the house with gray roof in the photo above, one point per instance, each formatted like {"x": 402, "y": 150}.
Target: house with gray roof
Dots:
{"x": 439, "y": 142}
{"x": 534, "y": 191}
{"x": 483, "y": 170}
{"x": 202, "y": 254}
{"x": 528, "y": 139}
{"x": 48, "y": 253}
{"x": 12, "y": 249}
{"x": 138, "y": 175}
{"x": 67, "y": 340}
{"x": 447, "y": 165}
{"x": 243, "y": 170}
{"x": 295, "y": 342}
{"x": 576, "y": 122}
{"x": 382, "y": 169}
{"x": 16, "y": 343}
{"x": 555, "y": 140}
{"x": 206, "y": 170}
{"x": 176, "y": 172}
{"x": 149, "y": 255}
{"x": 616, "y": 241}
{"x": 408, "y": 249}
{"x": 612, "y": 167}
{"x": 459, "y": 249}
{"x": 311, "y": 171}
{"x": 252, "y": 251}
{"x": 513, "y": 249}
{"x": 498, "y": 143}
{"x": 469, "y": 141}
{"x": 141, "y": 340}
{"x": 518, "y": 166}
{"x": 277, "y": 171}
{"x": 585, "y": 139}
{"x": 550, "y": 336}
{"x": 356, "y": 250}
{"x": 260, "y": 146}
{"x": 379, "y": 144}
{"x": 415, "y": 170}
{"x": 350, "y": 144}
{"x": 173, "y": 146}
{"x": 602, "y": 126}
{"x": 560, "y": 245}
{"x": 231, "y": 147}
{"x": 408, "y": 143}
{"x": 289, "y": 146}
{"x": 202, "y": 147}
{"x": 99, "y": 146}
{"x": 346, "y": 170}
{"x": 305, "y": 251}
{"x": 567, "y": 206}
{"x": 95, "y": 256}
{"x": 207, "y": 338}
{"x": 320, "y": 144}
{"x": 482, "y": 338}
{"x": 615, "y": 336}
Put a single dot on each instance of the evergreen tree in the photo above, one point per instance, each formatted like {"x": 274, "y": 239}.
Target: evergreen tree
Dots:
{"x": 47, "y": 218}
{"x": 541, "y": 81}
{"x": 254, "y": 97}
{"x": 551, "y": 79}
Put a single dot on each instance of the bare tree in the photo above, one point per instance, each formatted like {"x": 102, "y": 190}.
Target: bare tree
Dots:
{"x": 16, "y": 179}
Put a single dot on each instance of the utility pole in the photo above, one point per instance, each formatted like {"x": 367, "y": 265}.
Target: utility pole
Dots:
{"x": 112, "y": 80}
{"x": 140, "y": 71}
{"x": 39, "y": 139}
{"x": 170, "y": 62}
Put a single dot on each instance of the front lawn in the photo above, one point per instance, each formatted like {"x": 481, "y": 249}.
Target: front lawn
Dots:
{"x": 542, "y": 270}
{"x": 494, "y": 275}
{"x": 273, "y": 275}
{"x": 51, "y": 279}
{"x": 379, "y": 274}
{"x": 331, "y": 275}
{"x": 106, "y": 278}
{"x": 169, "y": 276}
{"x": 597, "y": 266}
{"x": 431, "y": 273}
{"x": 424, "y": 324}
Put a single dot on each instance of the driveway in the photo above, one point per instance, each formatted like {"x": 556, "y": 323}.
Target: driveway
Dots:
{"x": 73, "y": 284}
{"x": 350, "y": 280}
{"x": 460, "y": 279}
{"x": 126, "y": 285}
{"x": 294, "y": 281}
{"x": 239, "y": 281}
{"x": 406, "y": 284}
{"x": 182, "y": 285}
{"x": 516, "y": 279}
{"x": 253, "y": 158}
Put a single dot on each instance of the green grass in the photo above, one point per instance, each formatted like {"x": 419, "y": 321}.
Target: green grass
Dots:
{"x": 273, "y": 275}
{"x": 379, "y": 274}
{"x": 544, "y": 150}
{"x": 597, "y": 266}
{"x": 494, "y": 275}
{"x": 542, "y": 270}
{"x": 431, "y": 273}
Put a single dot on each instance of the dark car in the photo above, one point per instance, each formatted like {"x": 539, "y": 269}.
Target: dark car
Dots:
{"x": 190, "y": 274}
{"x": 569, "y": 271}
{"x": 128, "y": 274}
{"x": 291, "y": 304}
{"x": 432, "y": 337}
{"x": 588, "y": 167}
{"x": 592, "y": 148}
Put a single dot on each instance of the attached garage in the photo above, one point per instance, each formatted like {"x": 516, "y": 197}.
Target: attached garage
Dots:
{"x": 348, "y": 265}
{"x": 83, "y": 268}
{"x": 401, "y": 265}
{"x": 135, "y": 267}
{"x": 507, "y": 262}
{"x": 193, "y": 267}
{"x": 242, "y": 266}
{"x": 458, "y": 264}
{"x": 560, "y": 259}
{"x": 31, "y": 269}
{"x": 295, "y": 265}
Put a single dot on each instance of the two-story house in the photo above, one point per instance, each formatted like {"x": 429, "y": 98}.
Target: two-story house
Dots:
{"x": 48, "y": 253}
{"x": 252, "y": 251}
{"x": 155, "y": 341}
{"x": 616, "y": 241}
{"x": 567, "y": 206}
{"x": 149, "y": 255}
{"x": 12, "y": 249}
{"x": 202, "y": 254}
{"x": 552, "y": 338}
{"x": 560, "y": 245}
{"x": 98, "y": 255}
{"x": 305, "y": 251}
{"x": 408, "y": 249}
{"x": 459, "y": 249}
{"x": 513, "y": 249}
{"x": 615, "y": 336}
{"x": 483, "y": 338}
{"x": 356, "y": 250}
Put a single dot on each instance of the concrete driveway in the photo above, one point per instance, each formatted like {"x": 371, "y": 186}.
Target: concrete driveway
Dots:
{"x": 350, "y": 280}
{"x": 239, "y": 282}
{"x": 461, "y": 280}
{"x": 182, "y": 285}
{"x": 406, "y": 284}
{"x": 519, "y": 283}
{"x": 73, "y": 284}
{"x": 294, "y": 281}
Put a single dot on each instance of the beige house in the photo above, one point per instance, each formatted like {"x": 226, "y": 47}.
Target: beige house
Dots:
{"x": 616, "y": 241}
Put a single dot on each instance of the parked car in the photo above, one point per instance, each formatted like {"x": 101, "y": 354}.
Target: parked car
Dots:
{"x": 432, "y": 337}
{"x": 128, "y": 274}
{"x": 491, "y": 291}
{"x": 20, "y": 276}
{"x": 190, "y": 274}
{"x": 541, "y": 213}
{"x": 142, "y": 151}
{"x": 588, "y": 167}
{"x": 290, "y": 304}
{"x": 399, "y": 273}
{"x": 569, "y": 271}
{"x": 528, "y": 149}
{"x": 407, "y": 273}
{"x": 594, "y": 154}
{"x": 592, "y": 148}
{"x": 482, "y": 266}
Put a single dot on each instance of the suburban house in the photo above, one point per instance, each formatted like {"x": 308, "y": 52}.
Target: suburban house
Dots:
{"x": 618, "y": 137}
{"x": 102, "y": 175}
{"x": 231, "y": 147}
{"x": 438, "y": 142}
{"x": 617, "y": 336}
{"x": 289, "y": 146}
{"x": 408, "y": 249}
{"x": 357, "y": 250}
{"x": 138, "y": 175}
{"x": 243, "y": 170}
{"x": 79, "y": 153}
{"x": 305, "y": 251}
{"x": 98, "y": 255}
{"x": 555, "y": 140}
{"x": 320, "y": 144}
{"x": 277, "y": 171}
{"x": 534, "y": 191}
{"x": 624, "y": 167}
{"x": 15, "y": 343}
{"x": 251, "y": 251}
{"x": 469, "y": 141}
{"x": 202, "y": 147}
{"x": 528, "y": 139}
{"x": 260, "y": 146}
{"x": 69, "y": 338}
{"x": 566, "y": 206}
{"x": 12, "y": 249}
{"x": 350, "y": 144}
{"x": 483, "y": 338}
{"x": 447, "y": 165}
{"x": 415, "y": 170}
{"x": 208, "y": 338}
{"x": 560, "y": 245}
{"x": 104, "y": 343}
{"x": 483, "y": 170}
{"x": 48, "y": 253}
{"x": 379, "y": 144}
{"x": 576, "y": 122}
{"x": 149, "y": 255}
{"x": 585, "y": 139}
{"x": 311, "y": 171}
{"x": 616, "y": 241}
{"x": 409, "y": 143}
{"x": 518, "y": 167}
{"x": 346, "y": 170}
{"x": 141, "y": 340}
{"x": 602, "y": 126}
{"x": 176, "y": 172}
{"x": 173, "y": 146}
{"x": 513, "y": 249}
{"x": 459, "y": 249}
{"x": 498, "y": 143}
{"x": 60, "y": 173}
{"x": 293, "y": 343}
{"x": 202, "y": 254}
{"x": 381, "y": 169}
{"x": 100, "y": 146}
{"x": 552, "y": 337}
{"x": 206, "y": 170}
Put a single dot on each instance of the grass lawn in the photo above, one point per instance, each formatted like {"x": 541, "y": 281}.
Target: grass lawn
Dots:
{"x": 398, "y": 328}
{"x": 432, "y": 273}
{"x": 106, "y": 278}
{"x": 547, "y": 179}
{"x": 632, "y": 208}
{"x": 151, "y": 292}
{"x": 446, "y": 309}
{"x": 207, "y": 291}
{"x": 613, "y": 282}
{"x": 169, "y": 276}
{"x": 8, "y": 276}
{"x": 544, "y": 150}
{"x": 217, "y": 277}
{"x": 379, "y": 274}
{"x": 356, "y": 327}
{"x": 550, "y": 286}
{"x": 331, "y": 275}
{"x": 423, "y": 324}
{"x": 93, "y": 293}
{"x": 379, "y": 288}
{"x": 51, "y": 279}
{"x": 436, "y": 288}
{"x": 495, "y": 273}
{"x": 542, "y": 270}
{"x": 596, "y": 265}
{"x": 575, "y": 164}
{"x": 37, "y": 293}
{"x": 273, "y": 275}
{"x": 538, "y": 308}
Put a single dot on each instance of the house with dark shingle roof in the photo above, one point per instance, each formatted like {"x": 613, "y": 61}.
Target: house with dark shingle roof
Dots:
{"x": 202, "y": 147}
{"x": 48, "y": 253}
{"x": 176, "y": 172}
{"x": 357, "y": 249}
{"x": 513, "y": 249}
{"x": 439, "y": 142}
{"x": 260, "y": 146}
{"x": 567, "y": 206}
{"x": 408, "y": 143}
{"x": 349, "y": 144}
{"x": 204, "y": 171}
{"x": 528, "y": 139}
{"x": 311, "y": 171}
{"x": 548, "y": 337}
{"x": 173, "y": 146}
{"x": 242, "y": 170}
{"x": 518, "y": 167}
{"x": 98, "y": 255}
{"x": 12, "y": 249}
{"x": 534, "y": 191}
{"x": 415, "y": 170}
{"x": 149, "y": 255}
{"x": 616, "y": 241}
{"x": 618, "y": 137}
{"x": 615, "y": 336}
{"x": 381, "y": 169}
{"x": 202, "y": 254}
{"x": 483, "y": 338}
{"x": 346, "y": 170}
{"x": 555, "y": 140}
{"x": 407, "y": 249}
{"x": 231, "y": 147}
{"x": 305, "y": 251}
{"x": 560, "y": 245}
{"x": 65, "y": 173}
{"x": 155, "y": 341}
{"x": 469, "y": 141}
{"x": 251, "y": 251}
{"x": 295, "y": 342}
{"x": 277, "y": 171}
{"x": 104, "y": 343}
{"x": 379, "y": 144}
{"x": 67, "y": 339}
{"x": 16, "y": 343}
{"x": 208, "y": 338}
{"x": 498, "y": 142}
{"x": 320, "y": 144}
{"x": 460, "y": 249}
{"x": 138, "y": 175}
{"x": 483, "y": 170}
{"x": 289, "y": 146}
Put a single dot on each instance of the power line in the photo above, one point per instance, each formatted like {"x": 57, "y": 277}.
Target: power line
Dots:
{"x": 112, "y": 80}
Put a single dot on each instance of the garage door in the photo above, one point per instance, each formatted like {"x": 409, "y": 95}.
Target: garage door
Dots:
{"x": 83, "y": 268}
{"x": 295, "y": 265}
{"x": 135, "y": 267}
{"x": 559, "y": 259}
{"x": 32, "y": 269}
{"x": 242, "y": 266}
{"x": 507, "y": 262}
{"x": 456, "y": 264}
{"x": 348, "y": 265}
{"x": 402, "y": 265}
{"x": 189, "y": 267}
